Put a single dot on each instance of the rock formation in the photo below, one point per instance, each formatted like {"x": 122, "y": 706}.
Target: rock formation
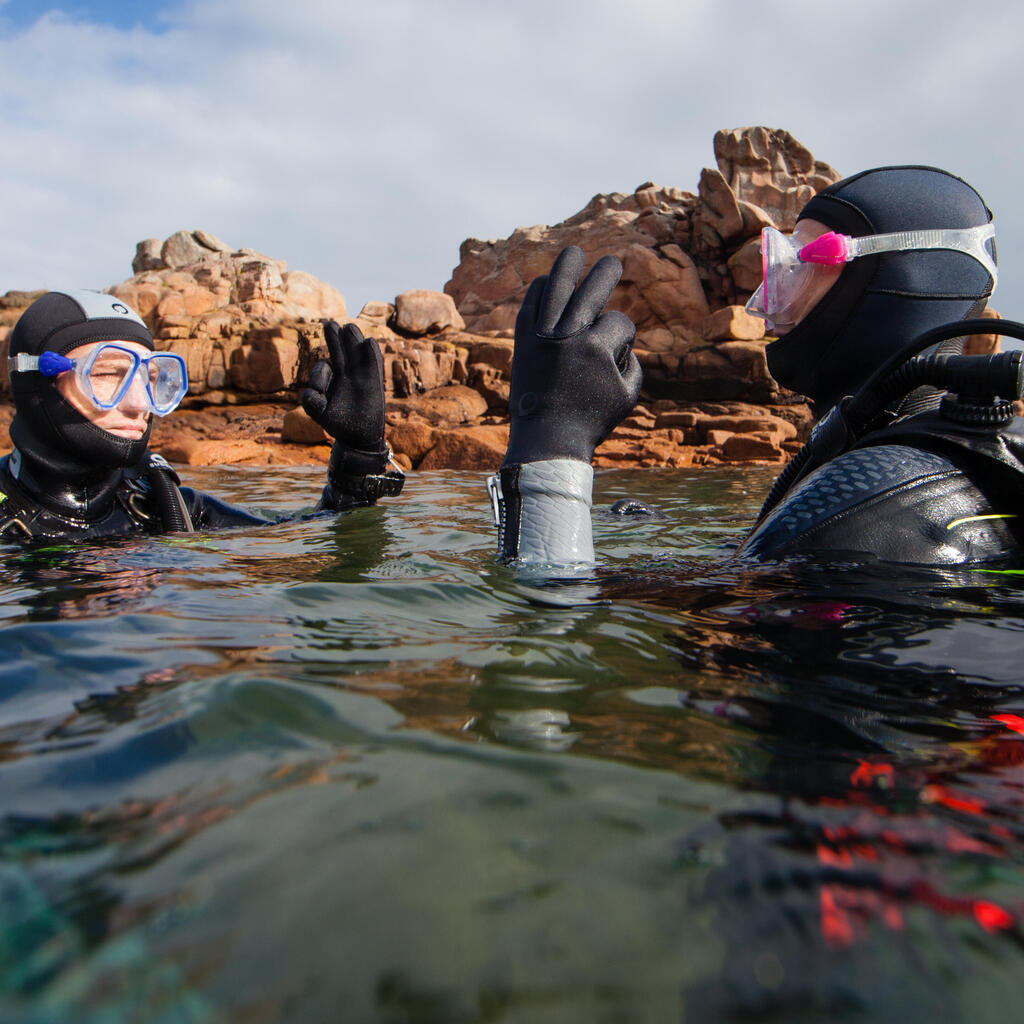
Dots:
{"x": 690, "y": 261}
{"x": 250, "y": 329}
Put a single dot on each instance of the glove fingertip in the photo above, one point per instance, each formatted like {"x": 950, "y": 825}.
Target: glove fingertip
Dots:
{"x": 352, "y": 336}
{"x": 321, "y": 375}
{"x": 530, "y": 309}
{"x": 632, "y": 377}
{"x": 313, "y": 402}
{"x": 560, "y": 287}
{"x": 335, "y": 338}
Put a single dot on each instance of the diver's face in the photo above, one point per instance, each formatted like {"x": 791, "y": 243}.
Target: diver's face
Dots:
{"x": 128, "y": 419}
{"x": 818, "y": 283}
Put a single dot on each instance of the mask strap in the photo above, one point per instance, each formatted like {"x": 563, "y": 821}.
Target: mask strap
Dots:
{"x": 832, "y": 248}
{"x": 49, "y": 364}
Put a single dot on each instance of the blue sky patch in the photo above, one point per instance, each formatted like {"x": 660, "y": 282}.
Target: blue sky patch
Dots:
{"x": 117, "y": 13}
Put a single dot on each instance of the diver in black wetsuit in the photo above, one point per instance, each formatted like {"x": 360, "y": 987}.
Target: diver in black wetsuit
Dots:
{"x": 915, "y": 459}
{"x": 85, "y": 381}
{"x": 925, "y": 474}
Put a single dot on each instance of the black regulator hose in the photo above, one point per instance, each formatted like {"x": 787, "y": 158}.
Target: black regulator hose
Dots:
{"x": 979, "y": 379}
{"x": 174, "y": 512}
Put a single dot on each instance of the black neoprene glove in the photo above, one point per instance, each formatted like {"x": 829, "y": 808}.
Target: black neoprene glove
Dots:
{"x": 346, "y": 397}
{"x": 574, "y": 374}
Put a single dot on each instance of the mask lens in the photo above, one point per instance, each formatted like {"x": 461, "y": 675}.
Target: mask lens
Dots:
{"x": 109, "y": 375}
{"x": 167, "y": 384}
{"x": 785, "y": 278}
{"x": 783, "y": 272}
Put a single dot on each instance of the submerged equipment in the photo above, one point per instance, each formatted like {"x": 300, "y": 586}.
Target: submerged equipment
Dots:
{"x": 977, "y": 402}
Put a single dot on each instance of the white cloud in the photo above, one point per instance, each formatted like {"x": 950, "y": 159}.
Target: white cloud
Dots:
{"x": 364, "y": 142}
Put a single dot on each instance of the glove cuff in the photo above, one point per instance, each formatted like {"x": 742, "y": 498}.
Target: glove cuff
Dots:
{"x": 542, "y": 511}
{"x": 361, "y": 476}
{"x": 533, "y": 441}
{"x": 346, "y": 461}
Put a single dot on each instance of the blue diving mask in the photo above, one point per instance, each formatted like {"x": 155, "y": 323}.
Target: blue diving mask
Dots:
{"x": 106, "y": 375}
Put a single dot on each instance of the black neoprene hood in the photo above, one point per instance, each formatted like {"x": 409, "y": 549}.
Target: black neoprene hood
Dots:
{"x": 881, "y": 303}
{"x": 46, "y": 425}
{"x": 61, "y": 321}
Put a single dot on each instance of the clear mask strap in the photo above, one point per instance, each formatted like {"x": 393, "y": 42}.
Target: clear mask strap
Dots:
{"x": 970, "y": 241}
{"x": 49, "y": 364}
{"x": 22, "y": 363}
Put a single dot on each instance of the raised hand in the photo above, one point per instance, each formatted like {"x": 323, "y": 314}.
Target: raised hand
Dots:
{"x": 574, "y": 374}
{"x": 346, "y": 395}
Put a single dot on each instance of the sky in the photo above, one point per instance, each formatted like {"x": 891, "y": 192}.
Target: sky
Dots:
{"x": 362, "y": 142}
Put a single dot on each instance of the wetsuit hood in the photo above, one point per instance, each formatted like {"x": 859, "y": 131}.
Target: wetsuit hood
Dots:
{"x": 881, "y": 303}
{"x": 46, "y": 427}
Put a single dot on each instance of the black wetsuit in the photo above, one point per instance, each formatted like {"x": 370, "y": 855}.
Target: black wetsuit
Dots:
{"x": 67, "y": 478}
{"x": 39, "y": 505}
{"x": 913, "y": 487}
{"x": 935, "y": 502}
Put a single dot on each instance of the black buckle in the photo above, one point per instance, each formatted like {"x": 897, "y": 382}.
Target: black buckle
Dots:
{"x": 370, "y": 487}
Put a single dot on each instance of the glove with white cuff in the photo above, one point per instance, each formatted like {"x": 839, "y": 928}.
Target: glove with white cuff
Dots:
{"x": 574, "y": 378}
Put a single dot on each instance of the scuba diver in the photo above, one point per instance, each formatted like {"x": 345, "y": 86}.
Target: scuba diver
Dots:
{"x": 915, "y": 458}
{"x": 86, "y": 382}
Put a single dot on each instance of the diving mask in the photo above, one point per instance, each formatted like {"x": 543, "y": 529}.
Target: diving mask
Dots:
{"x": 789, "y": 268}
{"x": 106, "y": 374}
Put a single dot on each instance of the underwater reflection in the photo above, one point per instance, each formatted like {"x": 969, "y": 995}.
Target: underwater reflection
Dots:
{"x": 872, "y": 720}
{"x": 877, "y": 725}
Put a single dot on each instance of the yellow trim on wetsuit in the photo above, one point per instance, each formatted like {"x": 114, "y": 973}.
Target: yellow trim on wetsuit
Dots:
{"x": 974, "y": 519}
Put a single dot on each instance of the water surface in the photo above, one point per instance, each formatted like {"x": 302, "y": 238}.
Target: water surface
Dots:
{"x": 351, "y": 769}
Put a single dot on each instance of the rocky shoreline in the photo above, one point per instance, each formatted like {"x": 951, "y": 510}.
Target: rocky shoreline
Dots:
{"x": 249, "y": 330}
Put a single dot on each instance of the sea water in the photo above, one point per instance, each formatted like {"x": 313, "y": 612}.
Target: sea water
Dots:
{"x": 351, "y": 769}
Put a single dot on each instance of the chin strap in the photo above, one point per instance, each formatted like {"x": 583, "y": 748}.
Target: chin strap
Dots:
{"x": 542, "y": 511}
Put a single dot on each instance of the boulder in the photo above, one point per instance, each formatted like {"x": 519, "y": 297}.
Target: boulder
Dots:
{"x": 488, "y": 382}
{"x": 211, "y": 242}
{"x": 721, "y": 204}
{"x": 749, "y": 448}
{"x": 420, "y": 311}
{"x": 412, "y": 439}
{"x": 476, "y": 448}
{"x": 497, "y": 354}
{"x": 305, "y": 294}
{"x": 733, "y": 322}
{"x": 745, "y": 265}
{"x": 250, "y": 329}
{"x": 768, "y": 168}
{"x": 200, "y": 452}
{"x": 147, "y": 256}
{"x": 181, "y": 249}
{"x": 378, "y": 312}
{"x": 449, "y": 406}
{"x": 298, "y": 428}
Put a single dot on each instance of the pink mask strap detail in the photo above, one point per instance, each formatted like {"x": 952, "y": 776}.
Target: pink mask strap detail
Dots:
{"x": 829, "y": 248}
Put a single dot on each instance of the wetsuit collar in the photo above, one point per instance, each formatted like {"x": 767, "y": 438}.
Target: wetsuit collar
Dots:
{"x": 63, "y": 487}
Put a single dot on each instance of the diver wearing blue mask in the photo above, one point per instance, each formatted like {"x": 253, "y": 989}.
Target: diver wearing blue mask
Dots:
{"x": 86, "y": 383}
{"x": 917, "y": 456}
